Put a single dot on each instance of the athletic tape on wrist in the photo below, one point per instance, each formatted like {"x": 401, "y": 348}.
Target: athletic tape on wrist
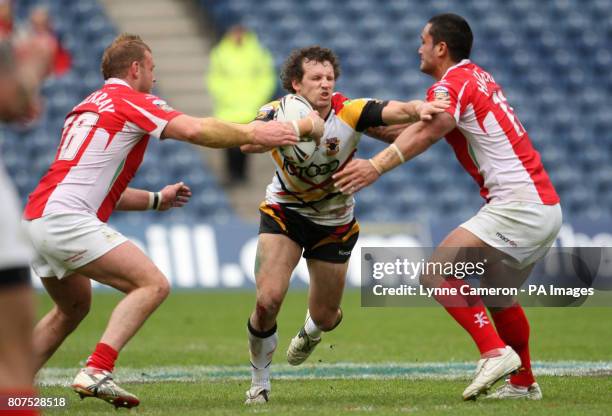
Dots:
{"x": 313, "y": 125}
{"x": 157, "y": 199}
{"x": 294, "y": 123}
{"x": 376, "y": 167}
{"x": 151, "y": 199}
{"x": 398, "y": 151}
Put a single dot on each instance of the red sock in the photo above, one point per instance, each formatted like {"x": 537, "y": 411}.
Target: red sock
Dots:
{"x": 103, "y": 357}
{"x": 470, "y": 313}
{"x": 513, "y": 328}
{"x": 21, "y": 409}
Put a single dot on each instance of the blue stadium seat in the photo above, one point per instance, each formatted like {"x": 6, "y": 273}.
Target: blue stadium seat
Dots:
{"x": 85, "y": 31}
{"x": 548, "y": 57}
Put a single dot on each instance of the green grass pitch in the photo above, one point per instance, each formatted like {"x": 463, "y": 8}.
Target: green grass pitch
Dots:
{"x": 193, "y": 355}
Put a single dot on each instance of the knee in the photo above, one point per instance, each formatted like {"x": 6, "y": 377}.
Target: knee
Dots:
{"x": 326, "y": 319}
{"x": 161, "y": 289}
{"x": 73, "y": 314}
{"x": 269, "y": 305}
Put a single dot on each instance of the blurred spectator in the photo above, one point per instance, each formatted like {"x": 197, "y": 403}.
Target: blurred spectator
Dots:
{"x": 6, "y": 18}
{"x": 24, "y": 63}
{"x": 241, "y": 79}
{"x": 41, "y": 25}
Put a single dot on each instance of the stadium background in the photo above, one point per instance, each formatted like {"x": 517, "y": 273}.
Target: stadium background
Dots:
{"x": 552, "y": 58}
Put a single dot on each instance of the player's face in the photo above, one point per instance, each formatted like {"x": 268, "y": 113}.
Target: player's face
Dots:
{"x": 146, "y": 76}
{"x": 426, "y": 51}
{"x": 317, "y": 85}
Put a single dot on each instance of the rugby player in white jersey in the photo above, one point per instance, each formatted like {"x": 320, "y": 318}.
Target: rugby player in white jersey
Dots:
{"x": 101, "y": 147}
{"x": 516, "y": 226}
{"x": 20, "y": 78}
{"x": 305, "y": 215}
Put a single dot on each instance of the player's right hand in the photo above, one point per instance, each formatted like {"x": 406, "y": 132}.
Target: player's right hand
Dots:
{"x": 274, "y": 133}
{"x": 428, "y": 109}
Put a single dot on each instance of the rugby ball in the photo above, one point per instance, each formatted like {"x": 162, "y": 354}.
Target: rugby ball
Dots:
{"x": 294, "y": 107}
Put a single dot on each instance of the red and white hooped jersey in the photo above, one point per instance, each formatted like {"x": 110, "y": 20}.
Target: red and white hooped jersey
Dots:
{"x": 489, "y": 141}
{"x": 102, "y": 145}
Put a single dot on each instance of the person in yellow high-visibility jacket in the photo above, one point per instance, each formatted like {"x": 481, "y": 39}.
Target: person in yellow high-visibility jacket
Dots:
{"x": 241, "y": 79}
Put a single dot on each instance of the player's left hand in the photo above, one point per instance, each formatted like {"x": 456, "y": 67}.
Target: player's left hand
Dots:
{"x": 274, "y": 133}
{"x": 428, "y": 109}
{"x": 174, "y": 196}
{"x": 358, "y": 174}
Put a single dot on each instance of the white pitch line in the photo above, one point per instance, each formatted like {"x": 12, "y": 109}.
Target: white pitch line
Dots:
{"x": 376, "y": 371}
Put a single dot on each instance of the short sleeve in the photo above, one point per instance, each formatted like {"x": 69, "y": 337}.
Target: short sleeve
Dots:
{"x": 454, "y": 90}
{"x": 149, "y": 112}
{"x": 362, "y": 113}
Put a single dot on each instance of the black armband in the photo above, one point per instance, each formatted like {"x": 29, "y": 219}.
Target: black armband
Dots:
{"x": 371, "y": 116}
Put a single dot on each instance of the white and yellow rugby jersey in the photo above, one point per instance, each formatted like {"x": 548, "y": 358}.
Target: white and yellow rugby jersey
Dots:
{"x": 309, "y": 188}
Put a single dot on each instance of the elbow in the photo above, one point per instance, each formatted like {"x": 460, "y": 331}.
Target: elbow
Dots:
{"x": 192, "y": 132}
{"x": 431, "y": 140}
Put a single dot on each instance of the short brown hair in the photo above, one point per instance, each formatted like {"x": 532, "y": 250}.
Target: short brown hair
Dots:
{"x": 120, "y": 54}
{"x": 293, "y": 69}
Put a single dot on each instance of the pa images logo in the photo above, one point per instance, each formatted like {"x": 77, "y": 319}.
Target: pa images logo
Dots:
{"x": 332, "y": 146}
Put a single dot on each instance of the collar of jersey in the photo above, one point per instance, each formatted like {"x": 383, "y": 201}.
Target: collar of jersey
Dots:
{"x": 119, "y": 81}
{"x": 457, "y": 65}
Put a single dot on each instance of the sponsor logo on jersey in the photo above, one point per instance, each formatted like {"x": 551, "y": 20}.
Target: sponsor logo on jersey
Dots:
{"x": 162, "y": 105}
{"x": 332, "y": 146}
{"x": 506, "y": 239}
{"x": 312, "y": 170}
{"x": 441, "y": 93}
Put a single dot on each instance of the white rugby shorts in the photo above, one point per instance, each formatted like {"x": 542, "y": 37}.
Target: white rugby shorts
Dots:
{"x": 15, "y": 249}
{"x": 64, "y": 242}
{"x": 523, "y": 230}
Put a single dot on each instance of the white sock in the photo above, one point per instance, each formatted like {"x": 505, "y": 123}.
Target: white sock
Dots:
{"x": 312, "y": 329}
{"x": 261, "y": 350}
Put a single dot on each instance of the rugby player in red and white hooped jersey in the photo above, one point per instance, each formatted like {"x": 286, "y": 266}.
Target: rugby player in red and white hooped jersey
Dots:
{"x": 516, "y": 226}
{"x": 102, "y": 145}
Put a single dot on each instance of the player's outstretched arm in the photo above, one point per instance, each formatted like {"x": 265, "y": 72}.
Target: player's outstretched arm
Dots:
{"x": 399, "y": 112}
{"x": 211, "y": 132}
{"x": 171, "y": 196}
{"x": 398, "y": 115}
{"x": 411, "y": 142}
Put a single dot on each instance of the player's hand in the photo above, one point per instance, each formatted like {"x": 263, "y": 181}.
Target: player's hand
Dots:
{"x": 274, "y": 133}
{"x": 428, "y": 109}
{"x": 318, "y": 126}
{"x": 174, "y": 196}
{"x": 358, "y": 174}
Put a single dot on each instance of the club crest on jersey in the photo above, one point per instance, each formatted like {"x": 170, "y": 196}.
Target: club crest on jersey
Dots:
{"x": 441, "y": 93}
{"x": 162, "y": 105}
{"x": 332, "y": 146}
